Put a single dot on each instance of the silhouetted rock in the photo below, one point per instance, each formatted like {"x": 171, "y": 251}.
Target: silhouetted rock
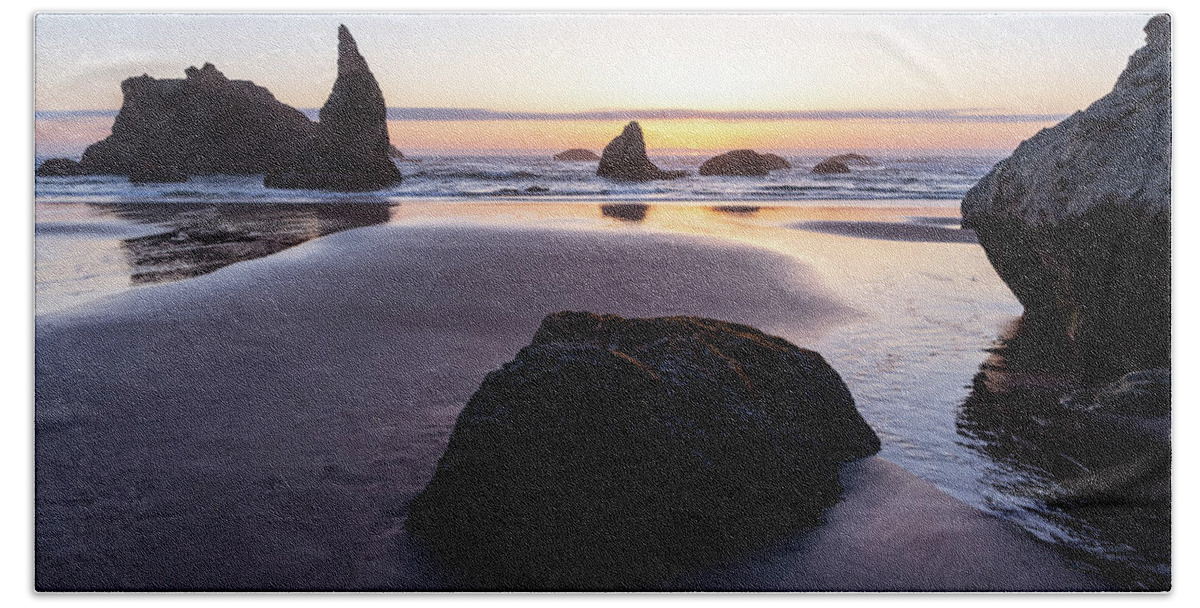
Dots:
{"x": 612, "y": 453}
{"x": 830, "y": 166}
{"x": 150, "y": 172}
{"x": 1078, "y": 221}
{"x": 349, "y": 152}
{"x": 60, "y": 167}
{"x": 625, "y": 159}
{"x": 394, "y": 152}
{"x": 776, "y": 162}
{"x": 738, "y": 162}
{"x": 852, "y": 159}
{"x": 576, "y": 154}
{"x": 200, "y": 125}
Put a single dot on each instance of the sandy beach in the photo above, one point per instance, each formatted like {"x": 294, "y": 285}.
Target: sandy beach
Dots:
{"x": 264, "y": 426}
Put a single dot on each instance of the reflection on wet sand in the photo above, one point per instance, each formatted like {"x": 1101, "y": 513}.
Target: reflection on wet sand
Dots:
{"x": 203, "y": 238}
{"x": 632, "y": 212}
{"x": 1095, "y": 467}
{"x": 746, "y": 209}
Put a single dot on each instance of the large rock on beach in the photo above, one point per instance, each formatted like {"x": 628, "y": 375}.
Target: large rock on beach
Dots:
{"x": 776, "y": 162}
{"x": 349, "y": 151}
{"x": 739, "y": 162}
{"x": 1078, "y": 221}
{"x": 576, "y": 154}
{"x": 612, "y": 453}
{"x": 203, "y": 124}
{"x": 624, "y": 158}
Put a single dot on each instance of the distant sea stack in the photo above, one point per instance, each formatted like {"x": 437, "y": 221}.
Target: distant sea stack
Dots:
{"x": 742, "y": 162}
{"x": 576, "y": 154}
{"x": 349, "y": 151}
{"x": 612, "y": 453}
{"x": 841, "y": 164}
{"x": 1078, "y": 220}
{"x": 831, "y": 166}
{"x": 203, "y": 124}
{"x": 625, "y": 159}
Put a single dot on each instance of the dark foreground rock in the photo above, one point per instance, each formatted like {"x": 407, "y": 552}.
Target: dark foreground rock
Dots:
{"x": 625, "y": 159}
{"x": 740, "y": 162}
{"x": 349, "y": 151}
{"x": 613, "y": 453}
{"x": 576, "y": 154}
{"x": 1078, "y": 222}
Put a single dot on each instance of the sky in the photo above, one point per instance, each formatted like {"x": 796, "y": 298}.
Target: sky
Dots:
{"x": 776, "y": 81}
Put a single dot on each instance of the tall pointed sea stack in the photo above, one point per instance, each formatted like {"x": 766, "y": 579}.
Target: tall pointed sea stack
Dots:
{"x": 350, "y": 150}
{"x": 1078, "y": 220}
{"x": 625, "y": 159}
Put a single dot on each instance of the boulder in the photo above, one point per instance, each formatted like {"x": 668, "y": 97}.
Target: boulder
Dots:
{"x": 625, "y": 159}
{"x": 1077, "y": 221}
{"x": 738, "y": 162}
{"x": 830, "y": 166}
{"x": 776, "y": 162}
{"x": 60, "y": 167}
{"x": 394, "y": 152}
{"x": 202, "y": 124}
{"x": 349, "y": 151}
{"x": 576, "y": 154}
{"x": 853, "y": 159}
{"x": 612, "y": 453}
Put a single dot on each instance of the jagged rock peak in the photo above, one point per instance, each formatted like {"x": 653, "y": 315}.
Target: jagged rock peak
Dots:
{"x": 348, "y": 56}
{"x": 208, "y": 73}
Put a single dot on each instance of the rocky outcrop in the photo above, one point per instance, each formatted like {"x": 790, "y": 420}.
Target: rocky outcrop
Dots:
{"x": 613, "y": 452}
{"x": 830, "y": 166}
{"x": 776, "y": 162}
{"x": 394, "y": 152}
{"x": 740, "y": 162}
{"x": 203, "y": 124}
{"x": 349, "y": 151}
{"x": 60, "y": 167}
{"x": 1078, "y": 222}
{"x": 624, "y": 159}
{"x": 853, "y": 159}
{"x": 576, "y": 154}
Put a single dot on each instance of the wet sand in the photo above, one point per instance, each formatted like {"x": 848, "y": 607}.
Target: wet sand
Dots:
{"x": 265, "y": 426}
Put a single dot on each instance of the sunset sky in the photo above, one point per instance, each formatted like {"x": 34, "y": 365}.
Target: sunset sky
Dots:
{"x": 550, "y": 81}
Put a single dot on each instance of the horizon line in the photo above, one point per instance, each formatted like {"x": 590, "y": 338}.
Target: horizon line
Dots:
{"x": 443, "y": 114}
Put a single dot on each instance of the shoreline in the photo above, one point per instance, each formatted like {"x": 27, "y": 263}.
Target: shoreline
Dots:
{"x": 376, "y": 337}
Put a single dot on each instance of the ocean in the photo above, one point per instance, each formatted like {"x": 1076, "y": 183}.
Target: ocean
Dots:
{"x": 940, "y": 179}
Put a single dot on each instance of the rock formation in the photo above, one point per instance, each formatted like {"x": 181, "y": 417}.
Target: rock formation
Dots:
{"x": 1078, "y": 221}
{"x": 203, "y": 124}
{"x": 613, "y": 452}
{"x": 349, "y": 151}
{"x": 60, "y": 167}
{"x": 776, "y": 162}
{"x": 576, "y": 154}
{"x": 830, "y": 166}
{"x": 625, "y": 159}
{"x": 852, "y": 159}
{"x": 739, "y": 162}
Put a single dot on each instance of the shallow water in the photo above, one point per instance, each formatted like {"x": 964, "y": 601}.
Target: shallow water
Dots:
{"x": 914, "y": 323}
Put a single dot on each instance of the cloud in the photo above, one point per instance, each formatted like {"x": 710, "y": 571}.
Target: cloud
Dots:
{"x": 475, "y": 114}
